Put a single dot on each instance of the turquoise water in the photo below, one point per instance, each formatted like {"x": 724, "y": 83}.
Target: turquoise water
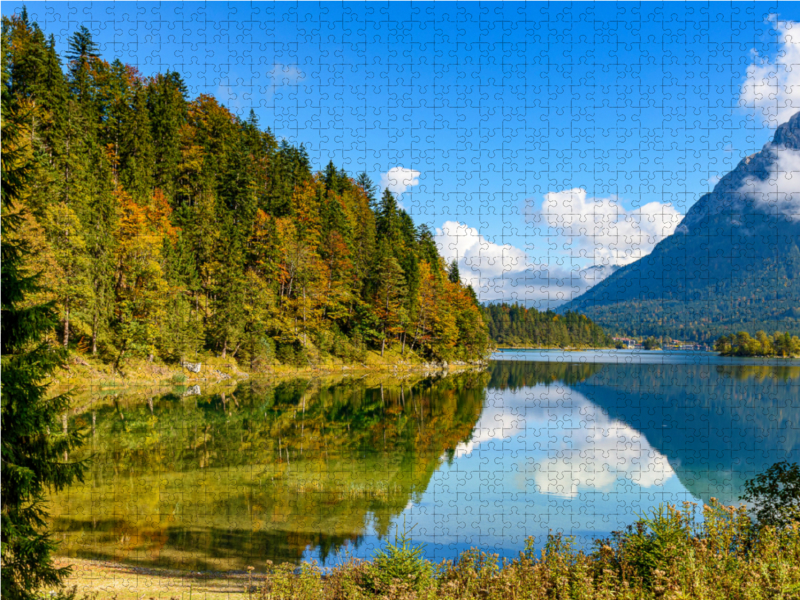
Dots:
{"x": 544, "y": 441}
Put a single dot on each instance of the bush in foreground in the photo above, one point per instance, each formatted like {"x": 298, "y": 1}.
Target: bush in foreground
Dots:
{"x": 666, "y": 554}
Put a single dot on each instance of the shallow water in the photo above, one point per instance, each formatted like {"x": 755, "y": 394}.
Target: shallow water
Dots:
{"x": 577, "y": 442}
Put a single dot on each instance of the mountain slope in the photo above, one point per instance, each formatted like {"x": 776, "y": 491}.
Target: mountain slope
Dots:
{"x": 732, "y": 264}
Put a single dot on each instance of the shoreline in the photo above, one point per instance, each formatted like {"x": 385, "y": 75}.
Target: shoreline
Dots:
{"x": 570, "y": 349}
{"x": 123, "y": 581}
{"x": 81, "y": 374}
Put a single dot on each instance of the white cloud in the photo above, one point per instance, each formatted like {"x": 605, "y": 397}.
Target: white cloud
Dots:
{"x": 779, "y": 193}
{"x": 587, "y": 240}
{"x": 399, "y": 179}
{"x": 505, "y": 272}
{"x": 774, "y": 87}
{"x": 601, "y": 230}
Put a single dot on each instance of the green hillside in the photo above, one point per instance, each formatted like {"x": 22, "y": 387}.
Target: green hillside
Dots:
{"x": 516, "y": 325}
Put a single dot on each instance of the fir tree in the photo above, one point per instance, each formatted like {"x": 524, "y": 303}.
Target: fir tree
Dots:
{"x": 32, "y": 456}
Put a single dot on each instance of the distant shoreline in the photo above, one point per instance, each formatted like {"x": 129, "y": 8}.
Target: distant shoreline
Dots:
{"x": 570, "y": 349}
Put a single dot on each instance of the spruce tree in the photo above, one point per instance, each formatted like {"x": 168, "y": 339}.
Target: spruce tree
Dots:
{"x": 32, "y": 456}
{"x": 365, "y": 183}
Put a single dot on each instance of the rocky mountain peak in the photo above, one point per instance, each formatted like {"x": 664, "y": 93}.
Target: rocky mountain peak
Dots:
{"x": 761, "y": 184}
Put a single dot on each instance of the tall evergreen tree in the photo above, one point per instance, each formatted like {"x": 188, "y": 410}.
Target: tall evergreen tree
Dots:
{"x": 32, "y": 456}
{"x": 82, "y": 55}
{"x": 370, "y": 189}
{"x": 452, "y": 273}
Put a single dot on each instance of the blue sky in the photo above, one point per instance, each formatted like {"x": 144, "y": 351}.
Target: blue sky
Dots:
{"x": 546, "y": 142}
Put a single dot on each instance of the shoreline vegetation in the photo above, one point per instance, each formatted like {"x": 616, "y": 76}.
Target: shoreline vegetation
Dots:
{"x": 85, "y": 373}
{"x": 778, "y": 345}
{"x": 665, "y": 554}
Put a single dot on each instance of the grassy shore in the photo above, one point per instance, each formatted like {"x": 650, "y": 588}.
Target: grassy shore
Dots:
{"x": 85, "y": 372}
{"x": 665, "y": 555}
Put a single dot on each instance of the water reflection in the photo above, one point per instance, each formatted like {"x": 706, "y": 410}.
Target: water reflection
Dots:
{"x": 218, "y": 481}
{"x": 228, "y": 479}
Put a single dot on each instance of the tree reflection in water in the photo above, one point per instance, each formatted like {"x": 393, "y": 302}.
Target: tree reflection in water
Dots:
{"x": 303, "y": 468}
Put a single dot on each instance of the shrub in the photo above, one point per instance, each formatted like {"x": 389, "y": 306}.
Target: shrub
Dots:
{"x": 655, "y": 543}
{"x": 401, "y": 566}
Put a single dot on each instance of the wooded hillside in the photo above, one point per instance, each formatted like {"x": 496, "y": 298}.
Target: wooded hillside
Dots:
{"x": 166, "y": 226}
{"x": 516, "y": 325}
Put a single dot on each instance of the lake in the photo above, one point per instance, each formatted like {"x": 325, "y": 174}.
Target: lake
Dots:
{"x": 572, "y": 442}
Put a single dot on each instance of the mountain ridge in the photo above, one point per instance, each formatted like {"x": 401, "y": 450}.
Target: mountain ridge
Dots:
{"x": 732, "y": 264}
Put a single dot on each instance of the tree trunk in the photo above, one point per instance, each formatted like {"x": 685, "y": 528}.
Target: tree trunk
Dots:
{"x": 383, "y": 341}
{"x": 64, "y": 425}
{"x": 94, "y": 334}
{"x": 119, "y": 356}
{"x": 403, "y": 347}
{"x": 66, "y": 323}
{"x": 225, "y": 348}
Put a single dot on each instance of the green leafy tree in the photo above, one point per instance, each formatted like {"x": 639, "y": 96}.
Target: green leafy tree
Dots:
{"x": 651, "y": 343}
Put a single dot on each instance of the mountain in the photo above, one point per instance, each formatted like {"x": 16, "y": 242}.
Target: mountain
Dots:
{"x": 732, "y": 264}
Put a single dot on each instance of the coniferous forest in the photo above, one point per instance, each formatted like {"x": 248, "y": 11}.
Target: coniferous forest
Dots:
{"x": 165, "y": 226}
{"x": 516, "y": 325}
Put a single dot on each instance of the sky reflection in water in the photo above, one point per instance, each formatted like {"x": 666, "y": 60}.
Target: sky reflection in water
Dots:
{"x": 534, "y": 445}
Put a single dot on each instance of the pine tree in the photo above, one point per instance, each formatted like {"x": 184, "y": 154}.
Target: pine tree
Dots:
{"x": 452, "y": 273}
{"x": 81, "y": 55}
{"x": 389, "y": 295}
{"x": 166, "y": 103}
{"x": 32, "y": 457}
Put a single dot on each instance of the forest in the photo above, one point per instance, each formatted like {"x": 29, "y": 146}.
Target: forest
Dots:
{"x": 164, "y": 227}
{"x": 516, "y": 325}
{"x": 783, "y": 345}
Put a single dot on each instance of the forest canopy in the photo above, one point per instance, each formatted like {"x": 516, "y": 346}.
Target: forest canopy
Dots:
{"x": 779, "y": 344}
{"x": 164, "y": 227}
{"x": 516, "y": 325}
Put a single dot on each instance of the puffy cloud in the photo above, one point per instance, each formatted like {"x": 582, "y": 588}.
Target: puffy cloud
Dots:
{"x": 587, "y": 239}
{"x": 779, "y": 193}
{"x": 505, "y": 272}
{"x": 399, "y": 179}
{"x": 601, "y": 229}
{"x": 774, "y": 87}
